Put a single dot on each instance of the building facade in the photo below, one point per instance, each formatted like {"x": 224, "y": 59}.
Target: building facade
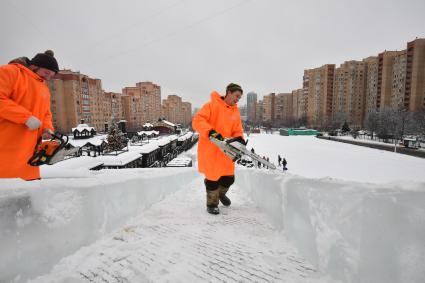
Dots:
{"x": 318, "y": 87}
{"x": 269, "y": 108}
{"x": 141, "y": 104}
{"x": 251, "y": 105}
{"x": 75, "y": 98}
{"x": 176, "y": 111}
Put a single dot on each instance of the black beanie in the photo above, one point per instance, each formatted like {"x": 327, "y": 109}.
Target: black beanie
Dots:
{"x": 233, "y": 87}
{"x": 45, "y": 60}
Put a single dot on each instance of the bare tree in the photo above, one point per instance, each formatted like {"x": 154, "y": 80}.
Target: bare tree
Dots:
{"x": 372, "y": 122}
{"x": 417, "y": 123}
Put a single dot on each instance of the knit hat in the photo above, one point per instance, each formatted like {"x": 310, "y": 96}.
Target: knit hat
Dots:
{"x": 45, "y": 60}
{"x": 233, "y": 87}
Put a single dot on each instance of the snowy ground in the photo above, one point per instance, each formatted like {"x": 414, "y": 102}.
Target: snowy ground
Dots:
{"x": 310, "y": 157}
{"x": 176, "y": 241}
{"x": 351, "y": 213}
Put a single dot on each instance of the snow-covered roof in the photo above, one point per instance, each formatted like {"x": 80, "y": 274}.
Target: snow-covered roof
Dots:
{"x": 121, "y": 159}
{"x": 168, "y": 123}
{"x": 185, "y": 136}
{"x": 147, "y": 125}
{"x": 167, "y": 139}
{"x": 95, "y": 140}
{"x": 82, "y": 127}
{"x": 148, "y": 133}
{"x": 179, "y": 162}
{"x": 148, "y": 148}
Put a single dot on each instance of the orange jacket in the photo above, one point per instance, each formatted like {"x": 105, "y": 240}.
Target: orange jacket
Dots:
{"x": 226, "y": 120}
{"x": 22, "y": 94}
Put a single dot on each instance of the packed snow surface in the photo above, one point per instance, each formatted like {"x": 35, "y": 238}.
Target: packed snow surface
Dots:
{"x": 341, "y": 212}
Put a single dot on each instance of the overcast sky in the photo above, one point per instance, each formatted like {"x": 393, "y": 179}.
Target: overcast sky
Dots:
{"x": 191, "y": 47}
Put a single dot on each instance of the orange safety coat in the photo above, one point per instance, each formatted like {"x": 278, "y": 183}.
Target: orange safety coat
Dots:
{"x": 224, "y": 119}
{"x": 22, "y": 94}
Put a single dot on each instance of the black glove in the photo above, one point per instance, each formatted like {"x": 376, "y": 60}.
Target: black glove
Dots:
{"x": 216, "y": 135}
{"x": 241, "y": 140}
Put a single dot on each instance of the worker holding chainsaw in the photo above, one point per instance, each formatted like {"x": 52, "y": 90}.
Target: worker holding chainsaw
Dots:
{"x": 219, "y": 118}
{"x": 24, "y": 112}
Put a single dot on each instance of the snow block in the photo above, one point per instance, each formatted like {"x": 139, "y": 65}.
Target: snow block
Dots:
{"x": 44, "y": 221}
{"x": 354, "y": 232}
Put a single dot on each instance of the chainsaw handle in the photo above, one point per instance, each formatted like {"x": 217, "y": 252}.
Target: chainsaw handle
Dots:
{"x": 236, "y": 139}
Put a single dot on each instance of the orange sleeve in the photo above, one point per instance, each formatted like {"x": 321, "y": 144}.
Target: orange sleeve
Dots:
{"x": 200, "y": 121}
{"x": 9, "y": 109}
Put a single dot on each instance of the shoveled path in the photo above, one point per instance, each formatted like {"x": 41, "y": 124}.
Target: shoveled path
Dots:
{"x": 176, "y": 240}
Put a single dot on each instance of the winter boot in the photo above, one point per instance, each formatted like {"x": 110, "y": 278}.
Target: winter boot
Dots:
{"x": 222, "y": 196}
{"x": 212, "y": 201}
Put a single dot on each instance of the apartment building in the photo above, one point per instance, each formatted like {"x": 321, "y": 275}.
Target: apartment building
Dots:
{"x": 269, "y": 107}
{"x": 251, "y": 104}
{"x": 283, "y": 107}
{"x": 141, "y": 104}
{"x": 349, "y": 93}
{"x": 176, "y": 111}
{"x": 76, "y": 97}
{"x": 414, "y": 98}
{"x": 318, "y": 86}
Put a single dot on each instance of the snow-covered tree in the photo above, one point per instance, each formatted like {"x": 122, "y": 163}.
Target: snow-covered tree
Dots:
{"x": 116, "y": 139}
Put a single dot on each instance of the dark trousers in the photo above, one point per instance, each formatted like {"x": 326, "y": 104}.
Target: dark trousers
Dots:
{"x": 224, "y": 181}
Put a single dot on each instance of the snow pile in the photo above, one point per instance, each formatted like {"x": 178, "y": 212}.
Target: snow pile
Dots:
{"x": 43, "y": 221}
{"x": 355, "y": 232}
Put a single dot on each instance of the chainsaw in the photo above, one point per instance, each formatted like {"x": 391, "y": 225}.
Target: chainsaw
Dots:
{"x": 235, "y": 150}
{"x": 51, "y": 151}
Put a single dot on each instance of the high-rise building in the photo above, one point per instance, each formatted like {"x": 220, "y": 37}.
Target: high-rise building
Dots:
{"x": 141, "y": 104}
{"x": 385, "y": 77}
{"x": 371, "y": 90}
{"x": 113, "y": 111}
{"x": 298, "y": 107}
{"x": 283, "y": 107}
{"x": 269, "y": 107}
{"x": 414, "y": 98}
{"x": 176, "y": 111}
{"x": 398, "y": 80}
{"x": 349, "y": 93}
{"x": 75, "y": 98}
{"x": 251, "y": 105}
{"x": 187, "y": 113}
{"x": 259, "y": 110}
{"x": 318, "y": 87}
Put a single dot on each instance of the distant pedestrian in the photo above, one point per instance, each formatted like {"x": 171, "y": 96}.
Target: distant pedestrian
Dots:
{"x": 284, "y": 162}
{"x": 252, "y": 150}
{"x": 279, "y": 159}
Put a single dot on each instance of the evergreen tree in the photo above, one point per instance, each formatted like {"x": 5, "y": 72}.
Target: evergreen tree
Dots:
{"x": 116, "y": 139}
{"x": 345, "y": 128}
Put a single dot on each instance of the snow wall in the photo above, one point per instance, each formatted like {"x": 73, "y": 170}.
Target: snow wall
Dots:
{"x": 354, "y": 232}
{"x": 43, "y": 221}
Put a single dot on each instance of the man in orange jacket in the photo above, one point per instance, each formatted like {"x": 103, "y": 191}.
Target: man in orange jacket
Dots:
{"x": 221, "y": 119}
{"x": 24, "y": 112}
